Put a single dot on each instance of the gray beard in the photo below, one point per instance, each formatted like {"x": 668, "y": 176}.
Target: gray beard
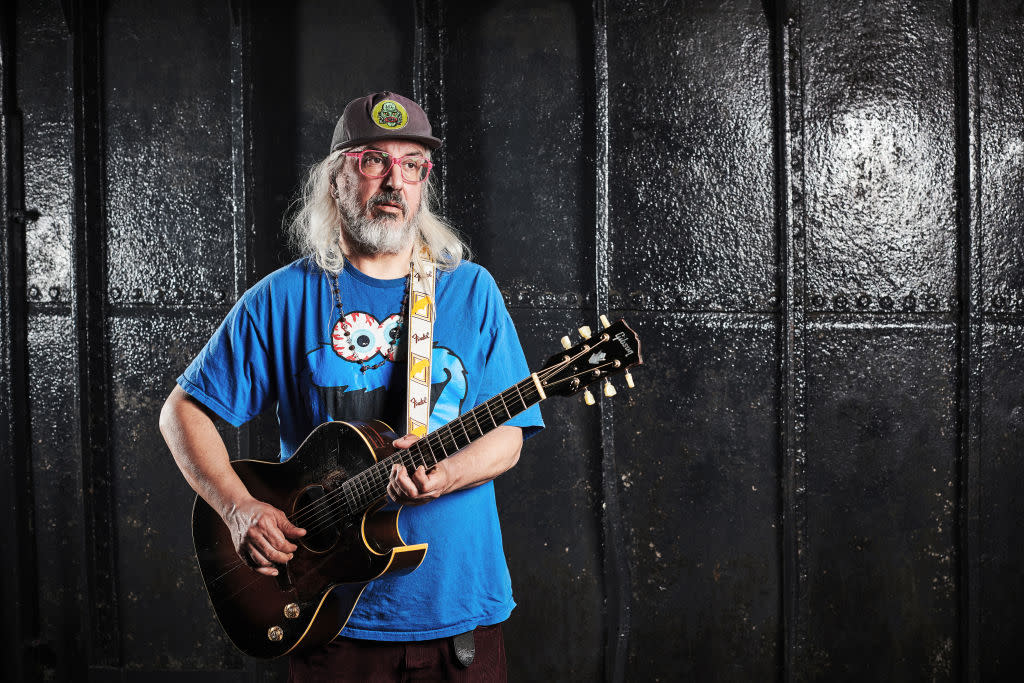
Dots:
{"x": 384, "y": 234}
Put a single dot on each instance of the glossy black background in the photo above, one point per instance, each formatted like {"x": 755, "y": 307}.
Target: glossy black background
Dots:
{"x": 810, "y": 211}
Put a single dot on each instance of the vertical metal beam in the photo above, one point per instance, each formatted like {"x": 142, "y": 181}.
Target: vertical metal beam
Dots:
{"x": 244, "y": 227}
{"x": 788, "y": 111}
{"x": 243, "y": 222}
{"x": 969, "y": 341}
{"x": 89, "y": 254}
{"x": 428, "y": 86}
{"x": 20, "y": 623}
{"x": 616, "y": 568}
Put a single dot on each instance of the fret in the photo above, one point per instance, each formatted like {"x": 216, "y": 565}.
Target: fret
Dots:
{"x": 504, "y": 405}
{"x": 494, "y": 423}
{"x": 480, "y": 432}
{"x": 450, "y": 434}
{"x": 462, "y": 423}
{"x": 426, "y": 443}
{"x": 521, "y": 399}
{"x": 446, "y": 435}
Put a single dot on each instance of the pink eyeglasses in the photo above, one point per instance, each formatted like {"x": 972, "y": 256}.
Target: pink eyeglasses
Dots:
{"x": 376, "y": 164}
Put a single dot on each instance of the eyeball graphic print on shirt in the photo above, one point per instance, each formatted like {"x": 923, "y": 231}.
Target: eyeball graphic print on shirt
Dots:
{"x": 358, "y": 337}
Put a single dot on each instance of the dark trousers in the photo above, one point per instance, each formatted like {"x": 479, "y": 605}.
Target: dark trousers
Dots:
{"x": 348, "y": 659}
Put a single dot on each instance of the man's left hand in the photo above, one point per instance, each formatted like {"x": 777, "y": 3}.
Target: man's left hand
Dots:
{"x": 422, "y": 486}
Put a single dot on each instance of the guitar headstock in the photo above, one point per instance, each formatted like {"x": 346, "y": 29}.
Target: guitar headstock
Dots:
{"x": 613, "y": 349}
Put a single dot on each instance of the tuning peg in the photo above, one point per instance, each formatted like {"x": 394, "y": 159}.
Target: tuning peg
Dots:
{"x": 604, "y": 321}
{"x": 629, "y": 380}
{"x": 585, "y": 332}
{"x": 566, "y": 343}
{"x": 588, "y": 397}
{"x": 609, "y": 390}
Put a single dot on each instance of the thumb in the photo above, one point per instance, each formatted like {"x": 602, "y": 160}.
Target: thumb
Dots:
{"x": 290, "y": 529}
{"x": 405, "y": 441}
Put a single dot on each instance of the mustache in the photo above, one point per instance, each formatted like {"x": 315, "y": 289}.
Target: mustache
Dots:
{"x": 388, "y": 197}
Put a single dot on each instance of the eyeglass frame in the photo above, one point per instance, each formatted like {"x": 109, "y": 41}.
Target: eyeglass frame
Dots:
{"x": 394, "y": 162}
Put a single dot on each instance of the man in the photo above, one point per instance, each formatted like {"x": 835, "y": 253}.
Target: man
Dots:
{"x": 320, "y": 339}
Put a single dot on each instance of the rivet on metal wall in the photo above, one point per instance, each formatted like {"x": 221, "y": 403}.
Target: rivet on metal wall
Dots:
{"x": 179, "y": 294}
{"x": 886, "y": 303}
{"x": 55, "y": 292}
{"x": 998, "y": 301}
{"x": 136, "y": 293}
{"x": 33, "y": 292}
{"x": 817, "y": 301}
{"x": 910, "y": 302}
{"x": 219, "y": 295}
{"x": 115, "y": 293}
{"x": 931, "y": 302}
{"x": 840, "y": 301}
{"x": 863, "y": 300}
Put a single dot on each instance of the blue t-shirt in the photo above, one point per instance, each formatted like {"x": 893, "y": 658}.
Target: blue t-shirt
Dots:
{"x": 282, "y": 343}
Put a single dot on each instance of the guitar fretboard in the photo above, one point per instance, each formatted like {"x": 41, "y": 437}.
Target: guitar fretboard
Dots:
{"x": 363, "y": 489}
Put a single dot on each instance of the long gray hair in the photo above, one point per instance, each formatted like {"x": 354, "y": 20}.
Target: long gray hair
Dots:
{"x": 315, "y": 228}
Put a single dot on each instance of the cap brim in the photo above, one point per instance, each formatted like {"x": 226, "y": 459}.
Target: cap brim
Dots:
{"x": 430, "y": 142}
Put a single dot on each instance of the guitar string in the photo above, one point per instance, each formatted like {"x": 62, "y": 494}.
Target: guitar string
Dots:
{"x": 324, "y": 516}
{"x": 437, "y": 439}
{"x": 438, "y": 436}
{"x": 444, "y": 435}
{"x": 322, "y": 512}
{"x": 359, "y": 485}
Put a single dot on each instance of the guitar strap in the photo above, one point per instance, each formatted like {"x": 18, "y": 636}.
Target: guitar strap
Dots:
{"x": 421, "y": 332}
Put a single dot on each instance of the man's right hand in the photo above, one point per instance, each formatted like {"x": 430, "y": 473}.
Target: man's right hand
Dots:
{"x": 262, "y": 535}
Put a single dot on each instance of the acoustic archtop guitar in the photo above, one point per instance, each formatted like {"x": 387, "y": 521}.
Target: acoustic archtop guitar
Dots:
{"x": 334, "y": 486}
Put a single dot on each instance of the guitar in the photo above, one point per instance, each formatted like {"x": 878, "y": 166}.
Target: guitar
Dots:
{"x": 334, "y": 486}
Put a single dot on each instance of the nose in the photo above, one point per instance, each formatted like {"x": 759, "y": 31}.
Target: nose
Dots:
{"x": 394, "y": 179}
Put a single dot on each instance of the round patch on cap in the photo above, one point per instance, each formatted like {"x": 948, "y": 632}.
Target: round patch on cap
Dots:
{"x": 389, "y": 115}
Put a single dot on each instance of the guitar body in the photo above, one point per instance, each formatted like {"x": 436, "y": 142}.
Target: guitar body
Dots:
{"x": 310, "y": 600}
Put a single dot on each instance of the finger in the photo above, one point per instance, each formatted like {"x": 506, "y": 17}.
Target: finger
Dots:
{"x": 406, "y": 485}
{"x": 271, "y": 553}
{"x": 421, "y": 479}
{"x": 289, "y": 529}
{"x": 277, "y": 538}
{"x": 255, "y": 559}
{"x": 405, "y": 441}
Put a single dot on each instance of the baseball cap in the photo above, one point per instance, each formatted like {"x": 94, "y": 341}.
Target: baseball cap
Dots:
{"x": 382, "y": 116}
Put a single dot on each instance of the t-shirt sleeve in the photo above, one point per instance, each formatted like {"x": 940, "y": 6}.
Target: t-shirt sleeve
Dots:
{"x": 231, "y": 375}
{"x": 505, "y": 365}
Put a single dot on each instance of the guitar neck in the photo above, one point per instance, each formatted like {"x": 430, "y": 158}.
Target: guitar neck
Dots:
{"x": 371, "y": 484}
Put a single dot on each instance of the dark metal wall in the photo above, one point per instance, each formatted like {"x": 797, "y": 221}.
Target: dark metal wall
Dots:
{"x": 810, "y": 211}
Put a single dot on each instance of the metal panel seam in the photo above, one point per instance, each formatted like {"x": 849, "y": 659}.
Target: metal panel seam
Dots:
{"x": 21, "y": 615}
{"x": 788, "y": 70}
{"x": 969, "y": 339}
{"x": 616, "y": 569}
{"x": 89, "y": 249}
